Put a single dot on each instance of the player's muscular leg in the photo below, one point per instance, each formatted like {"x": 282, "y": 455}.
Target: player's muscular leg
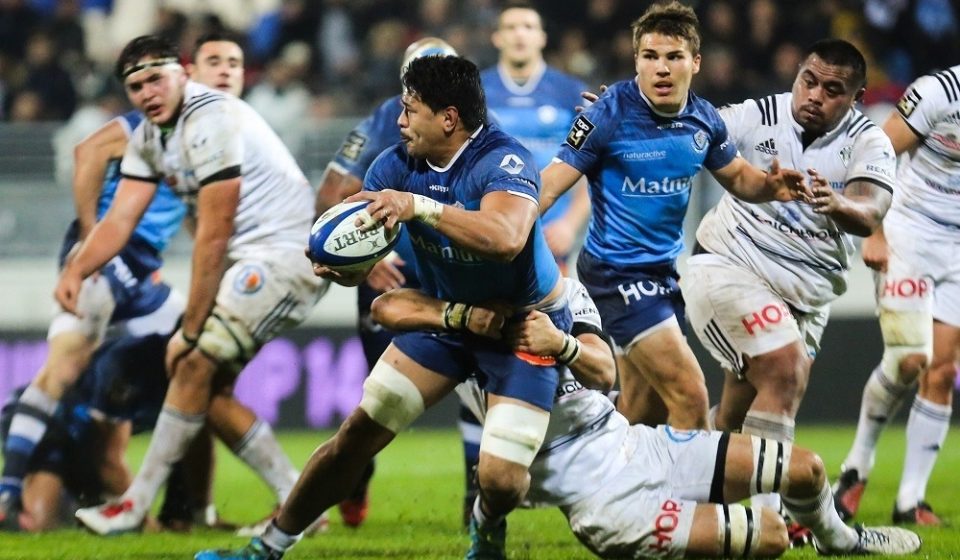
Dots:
{"x": 645, "y": 403}
{"x": 667, "y": 362}
{"x": 334, "y": 469}
{"x": 708, "y": 538}
{"x": 190, "y": 384}
{"x": 735, "y": 400}
{"x": 67, "y": 356}
{"x": 780, "y": 378}
{"x": 229, "y": 418}
{"x": 936, "y": 385}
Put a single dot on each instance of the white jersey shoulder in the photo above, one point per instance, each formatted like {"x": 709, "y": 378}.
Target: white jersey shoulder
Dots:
{"x": 218, "y": 137}
{"x": 804, "y": 255}
{"x": 930, "y": 175}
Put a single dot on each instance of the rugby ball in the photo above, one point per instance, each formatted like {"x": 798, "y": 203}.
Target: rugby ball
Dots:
{"x": 337, "y": 243}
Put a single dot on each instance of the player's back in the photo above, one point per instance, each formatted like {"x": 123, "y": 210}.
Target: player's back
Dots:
{"x": 490, "y": 161}
{"x": 929, "y": 177}
{"x": 641, "y": 165}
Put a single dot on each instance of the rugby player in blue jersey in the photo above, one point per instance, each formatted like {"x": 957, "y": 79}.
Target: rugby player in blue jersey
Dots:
{"x": 640, "y": 146}
{"x": 468, "y": 194}
{"x": 536, "y": 104}
{"x": 343, "y": 177}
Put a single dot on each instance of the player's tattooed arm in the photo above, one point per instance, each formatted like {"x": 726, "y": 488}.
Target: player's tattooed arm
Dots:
{"x": 91, "y": 157}
{"x": 858, "y": 210}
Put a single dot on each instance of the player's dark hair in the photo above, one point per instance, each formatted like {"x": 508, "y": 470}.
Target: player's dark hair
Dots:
{"x": 838, "y": 52}
{"x": 215, "y": 36}
{"x": 152, "y": 46}
{"x": 672, "y": 19}
{"x": 448, "y": 81}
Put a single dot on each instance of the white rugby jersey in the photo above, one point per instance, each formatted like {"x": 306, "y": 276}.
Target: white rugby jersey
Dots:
{"x": 218, "y": 136}
{"x": 804, "y": 256}
{"x": 930, "y": 175}
{"x": 580, "y": 449}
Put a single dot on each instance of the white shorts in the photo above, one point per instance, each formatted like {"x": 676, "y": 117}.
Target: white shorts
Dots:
{"x": 647, "y": 510}
{"x": 735, "y": 313}
{"x": 923, "y": 271}
{"x": 270, "y": 294}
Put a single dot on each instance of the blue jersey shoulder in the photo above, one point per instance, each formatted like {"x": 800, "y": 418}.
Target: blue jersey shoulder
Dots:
{"x": 371, "y": 136}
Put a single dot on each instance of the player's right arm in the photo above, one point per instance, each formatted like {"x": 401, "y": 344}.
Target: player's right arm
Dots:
{"x": 91, "y": 158}
{"x": 406, "y": 309}
{"x": 556, "y": 179}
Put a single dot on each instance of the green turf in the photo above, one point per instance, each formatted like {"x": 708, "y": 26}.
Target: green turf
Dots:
{"x": 416, "y": 501}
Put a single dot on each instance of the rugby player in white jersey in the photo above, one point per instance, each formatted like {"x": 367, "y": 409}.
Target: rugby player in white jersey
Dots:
{"x": 636, "y": 491}
{"x": 918, "y": 296}
{"x": 759, "y": 285}
{"x": 248, "y": 280}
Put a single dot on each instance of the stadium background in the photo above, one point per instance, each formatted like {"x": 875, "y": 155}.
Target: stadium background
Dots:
{"x": 315, "y": 67}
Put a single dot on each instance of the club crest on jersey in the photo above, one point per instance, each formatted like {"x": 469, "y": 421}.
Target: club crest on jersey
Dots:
{"x": 512, "y": 164}
{"x": 579, "y": 132}
{"x": 845, "y": 153}
{"x": 353, "y": 146}
{"x": 249, "y": 280}
{"x": 700, "y": 140}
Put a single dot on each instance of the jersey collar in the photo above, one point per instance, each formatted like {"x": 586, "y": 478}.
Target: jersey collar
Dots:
{"x": 456, "y": 156}
{"x": 657, "y": 111}
{"x": 528, "y": 87}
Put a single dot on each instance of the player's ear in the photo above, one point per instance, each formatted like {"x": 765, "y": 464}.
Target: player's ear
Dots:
{"x": 451, "y": 118}
{"x": 859, "y": 95}
{"x": 696, "y": 63}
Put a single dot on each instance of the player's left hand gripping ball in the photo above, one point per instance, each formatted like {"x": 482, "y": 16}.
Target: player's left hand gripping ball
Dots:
{"x": 336, "y": 242}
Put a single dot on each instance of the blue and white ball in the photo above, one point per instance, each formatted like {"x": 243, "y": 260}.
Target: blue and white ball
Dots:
{"x": 335, "y": 242}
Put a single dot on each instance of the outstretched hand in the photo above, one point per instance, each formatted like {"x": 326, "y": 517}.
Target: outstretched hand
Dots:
{"x": 787, "y": 184}
{"x": 590, "y": 97}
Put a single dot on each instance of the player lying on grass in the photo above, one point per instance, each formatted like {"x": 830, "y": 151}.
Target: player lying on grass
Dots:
{"x": 80, "y": 460}
{"x": 635, "y": 491}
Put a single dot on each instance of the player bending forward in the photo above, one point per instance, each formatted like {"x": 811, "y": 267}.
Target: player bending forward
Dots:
{"x": 636, "y": 491}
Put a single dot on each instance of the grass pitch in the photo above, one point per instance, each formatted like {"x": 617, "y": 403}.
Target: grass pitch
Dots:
{"x": 416, "y": 499}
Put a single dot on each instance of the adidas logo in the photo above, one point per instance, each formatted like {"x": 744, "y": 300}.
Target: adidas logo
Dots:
{"x": 767, "y": 147}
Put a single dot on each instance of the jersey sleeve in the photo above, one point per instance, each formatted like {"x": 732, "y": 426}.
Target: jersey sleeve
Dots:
{"x": 873, "y": 160}
{"x": 511, "y": 168}
{"x": 722, "y": 148}
{"x": 137, "y": 163}
{"x": 582, "y": 307}
{"x": 213, "y": 143}
{"x": 589, "y": 133}
{"x": 740, "y": 120}
{"x": 924, "y": 102}
{"x": 364, "y": 143}
{"x": 383, "y": 173}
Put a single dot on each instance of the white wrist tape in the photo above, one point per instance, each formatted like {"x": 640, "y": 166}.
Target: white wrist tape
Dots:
{"x": 570, "y": 351}
{"x": 456, "y": 316}
{"x": 427, "y": 210}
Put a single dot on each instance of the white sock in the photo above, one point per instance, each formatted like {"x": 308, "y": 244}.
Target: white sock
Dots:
{"x": 882, "y": 399}
{"x": 772, "y": 426}
{"x": 171, "y": 437}
{"x": 274, "y": 537}
{"x": 261, "y": 451}
{"x": 819, "y": 515}
{"x": 926, "y": 431}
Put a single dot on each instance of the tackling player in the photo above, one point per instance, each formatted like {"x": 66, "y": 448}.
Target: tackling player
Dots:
{"x": 467, "y": 193}
{"x": 636, "y": 491}
{"x": 918, "y": 297}
{"x": 640, "y": 146}
{"x": 759, "y": 285}
{"x": 248, "y": 280}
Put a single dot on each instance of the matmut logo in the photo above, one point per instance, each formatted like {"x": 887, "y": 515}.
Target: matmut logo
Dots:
{"x": 664, "y": 187}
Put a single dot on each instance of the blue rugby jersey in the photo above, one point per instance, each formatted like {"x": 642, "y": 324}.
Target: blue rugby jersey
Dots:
{"x": 362, "y": 145}
{"x": 491, "y": 161}
{"x": 538, "y": 114}
{"x": 641, "y": 166}
{"x": 166, "y": 211}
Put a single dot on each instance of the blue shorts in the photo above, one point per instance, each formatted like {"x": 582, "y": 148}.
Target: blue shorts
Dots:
{"x": 496, "y": 367}
{"x": 137, "y": 289}
{"x": 631, "y": 298}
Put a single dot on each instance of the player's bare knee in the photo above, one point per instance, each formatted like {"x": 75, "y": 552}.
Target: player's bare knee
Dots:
{"x": 911, "y": 366}
{"x": 502, "y": 481}
{"x": 939, "y": 380}
{"x": 360, "y": 432}
{"x": 774, "y": 539}
{"x": 193, "y": 370}
{"x": 807, "y": 474}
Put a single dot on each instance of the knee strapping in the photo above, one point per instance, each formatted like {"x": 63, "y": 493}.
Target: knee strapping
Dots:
{"x": 771, "y": 460}
{"x": 738, "y": 529}
{"x": 226, "y": 341}
{"x": 514, "y": 433}
{"x": 390, "y": 398}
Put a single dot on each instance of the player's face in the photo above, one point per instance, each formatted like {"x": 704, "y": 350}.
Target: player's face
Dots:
{"x": 822, "y": 94}
{"x": 219, "y": 64}
{"x": 157, "y": 91}
{"x": 519, "y": 36}
{"x": 422, "y": 130}
{"x": 665, "y": 67}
